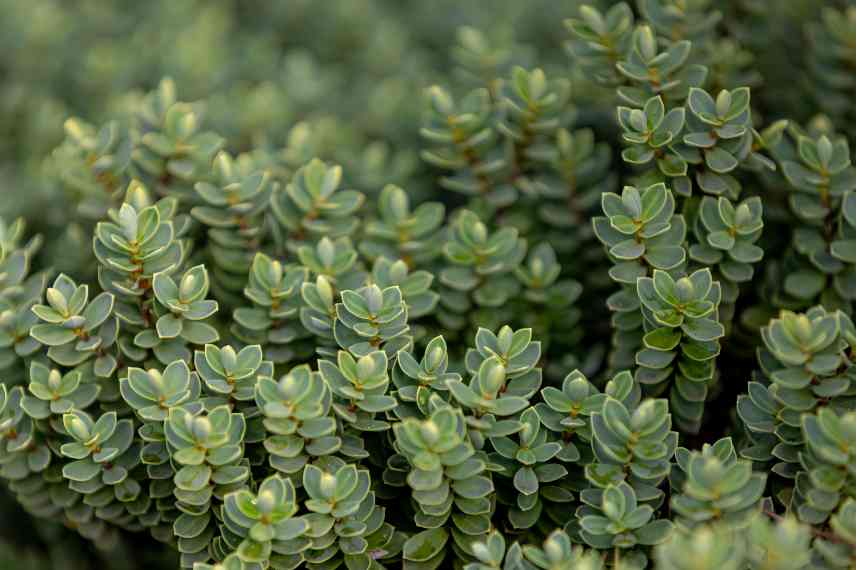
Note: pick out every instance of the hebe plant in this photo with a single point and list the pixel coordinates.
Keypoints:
(607, 322)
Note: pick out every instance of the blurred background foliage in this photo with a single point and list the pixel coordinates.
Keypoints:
(340, 79)
(353, 70)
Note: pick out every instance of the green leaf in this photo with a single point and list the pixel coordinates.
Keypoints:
(721, 240)
(662, 339)
(672, 165)
(425, 545)
(193, 478)
(198, 333)
(98, 310)
(473, 487)
(720, 161)
(526, 481)
(52, 335)
(702, 104)
(628, 249)
(805, 284)
(169, 326)
(81, 470)
(165, 289)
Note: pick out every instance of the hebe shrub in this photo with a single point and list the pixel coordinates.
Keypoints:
(606, 322)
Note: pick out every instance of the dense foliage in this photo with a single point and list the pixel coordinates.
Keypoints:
(317, 302)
